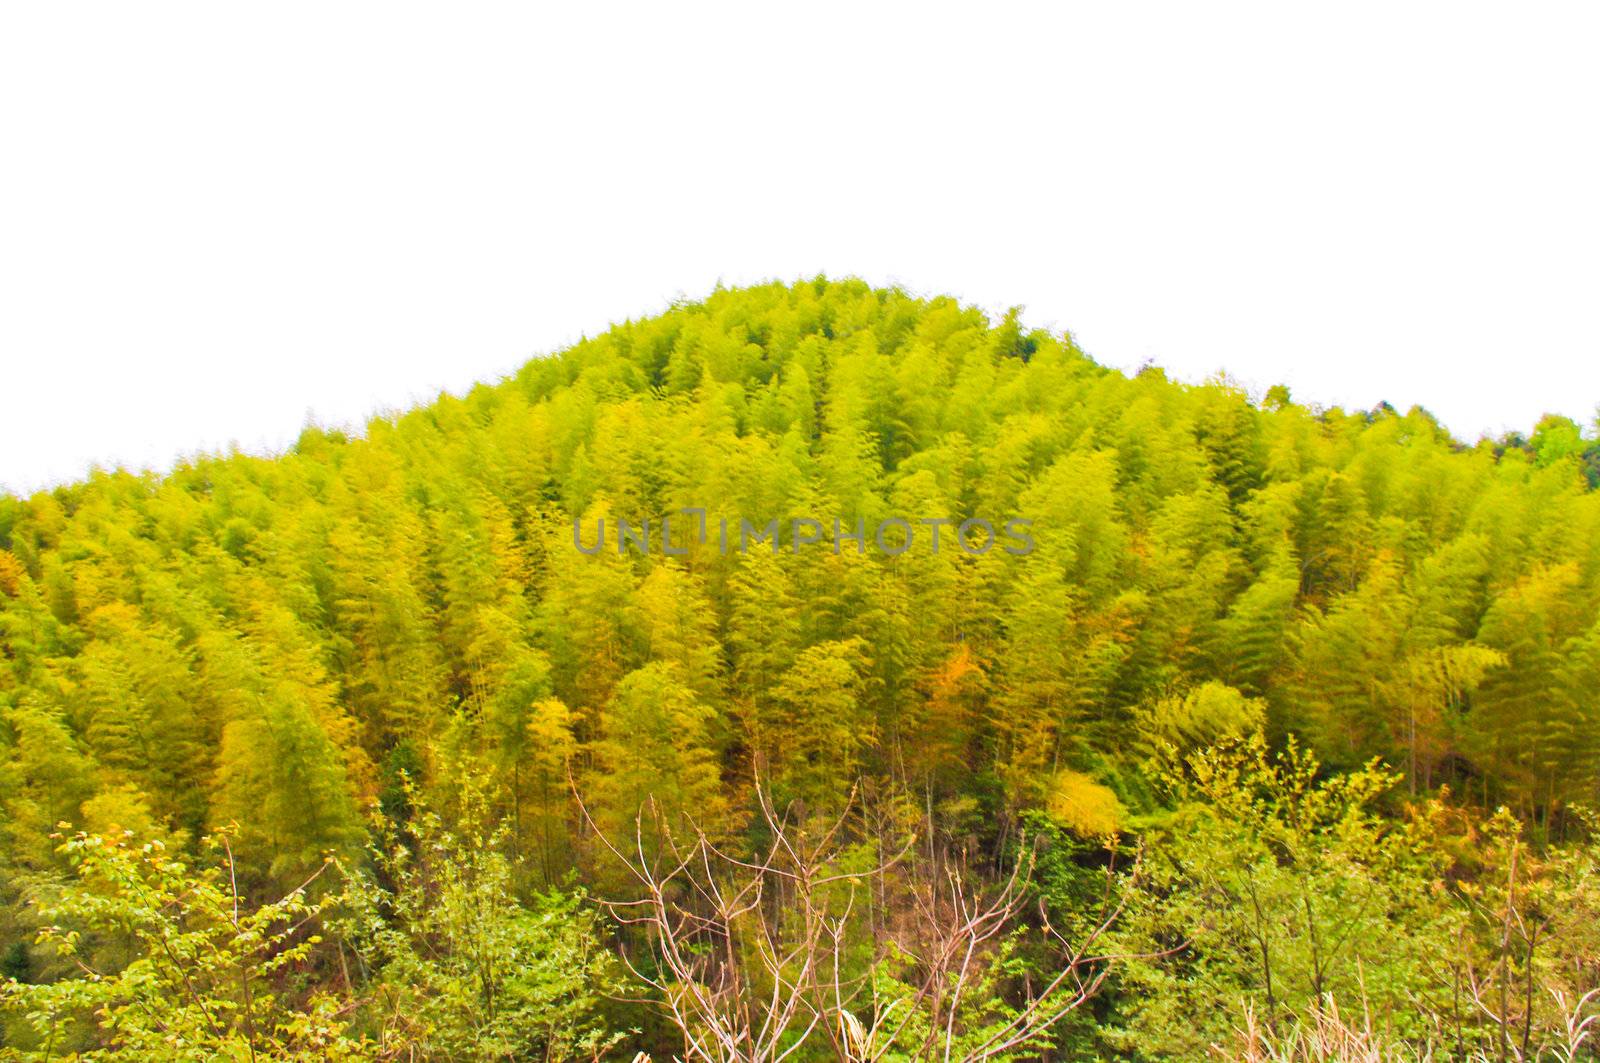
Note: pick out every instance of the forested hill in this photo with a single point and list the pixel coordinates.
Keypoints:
(292, 643)
(252, 638)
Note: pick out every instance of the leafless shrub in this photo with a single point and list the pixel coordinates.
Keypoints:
(754, 958)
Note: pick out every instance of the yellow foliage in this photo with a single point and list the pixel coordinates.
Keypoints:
(1207, 714)
(11, 573)
(1083, 806)
(124, 808)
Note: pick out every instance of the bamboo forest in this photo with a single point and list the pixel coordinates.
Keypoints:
(812, 672)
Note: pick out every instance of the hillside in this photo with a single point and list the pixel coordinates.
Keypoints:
(340, 645)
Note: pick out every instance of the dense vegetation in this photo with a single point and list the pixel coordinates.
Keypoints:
(1277, 745)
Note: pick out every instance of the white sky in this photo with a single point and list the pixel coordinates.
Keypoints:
(216, 218)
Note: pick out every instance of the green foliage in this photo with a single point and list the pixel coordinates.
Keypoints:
(15, 963)
(171, 963)
(817, 734)
(1278, 896)
(654, 747)
(1282, 890)
(459, 966)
